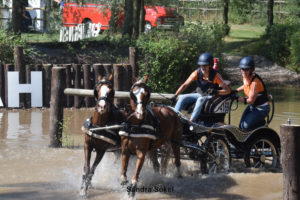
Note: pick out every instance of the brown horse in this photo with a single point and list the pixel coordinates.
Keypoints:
(96, 137)
(147, 129)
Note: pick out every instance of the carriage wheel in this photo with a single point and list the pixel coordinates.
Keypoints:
(262, 153)
(218, 158)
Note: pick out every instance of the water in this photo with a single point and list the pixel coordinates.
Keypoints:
(30, 170)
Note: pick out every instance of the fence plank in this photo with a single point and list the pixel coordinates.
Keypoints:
(47, 76)
(77, 83)
(69, 99)
(8, 67)
(2, 83)
(87, 82)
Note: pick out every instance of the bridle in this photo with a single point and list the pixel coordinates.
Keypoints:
(140, 85)
(105, 98)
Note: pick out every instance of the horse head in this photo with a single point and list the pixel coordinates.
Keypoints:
(139, 97)
(104, 94)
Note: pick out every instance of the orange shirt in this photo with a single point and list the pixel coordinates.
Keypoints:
(217, 79)
(255, 86)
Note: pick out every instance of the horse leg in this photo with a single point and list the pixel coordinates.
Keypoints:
(141, 154)
(153, 157)
(87, 157)
(176, 152)
(125, 159)
(165, 158)
(98, 158)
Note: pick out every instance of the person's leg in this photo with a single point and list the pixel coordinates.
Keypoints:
(186, 99)
(245, 113)
(198, 107)
(253, 117)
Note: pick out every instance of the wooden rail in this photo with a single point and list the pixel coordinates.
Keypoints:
(118, 94)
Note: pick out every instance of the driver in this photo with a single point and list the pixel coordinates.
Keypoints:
(208, 81)
(256, 96)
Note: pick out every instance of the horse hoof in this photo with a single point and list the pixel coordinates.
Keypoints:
(131, 192)
(83, 193)
(124, 182)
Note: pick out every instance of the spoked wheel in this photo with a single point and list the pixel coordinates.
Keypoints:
(218, 158)
(262, 153)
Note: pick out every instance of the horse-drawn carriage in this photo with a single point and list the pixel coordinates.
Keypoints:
(260, 148)
(146, 127)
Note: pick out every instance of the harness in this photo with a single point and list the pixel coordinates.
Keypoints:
(108, 133)
(203, 86)
(262, 97)
(151, 129)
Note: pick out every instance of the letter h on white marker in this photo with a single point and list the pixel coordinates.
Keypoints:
(35, 88)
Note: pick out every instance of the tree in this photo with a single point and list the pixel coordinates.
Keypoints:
(17, 9)
(270, 12)
(134, 18)
(225, 11)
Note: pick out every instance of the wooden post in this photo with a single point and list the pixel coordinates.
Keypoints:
(56, 106)
(20, 67)
(38, 67)
(77, 84)
(290, 160)
(133, 56)
(2, 83)
(127, 80)
(28, 70)
(47, 68)
(8, 67)
(108, 69)
(98, 71)
(87, 83)
(118, 82)
(69, 99)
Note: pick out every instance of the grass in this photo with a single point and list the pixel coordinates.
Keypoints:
(243, 39)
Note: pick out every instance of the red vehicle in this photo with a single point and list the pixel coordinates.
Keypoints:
(156, 16)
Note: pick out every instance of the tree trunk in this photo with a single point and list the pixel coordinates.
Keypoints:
(136, 17)
(127, 26)
(17, 7)
(225, 12)
(113, 23)
(142, 17)
(270, 12)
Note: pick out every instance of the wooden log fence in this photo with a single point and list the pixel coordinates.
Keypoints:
(83, 76)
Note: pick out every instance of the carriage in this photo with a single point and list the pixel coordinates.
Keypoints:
(259, 148)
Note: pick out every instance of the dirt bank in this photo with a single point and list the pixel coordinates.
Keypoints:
(271, 73)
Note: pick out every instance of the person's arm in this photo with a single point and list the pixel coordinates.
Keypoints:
(240, 89)
(185, 85)
(252, 96)
(225, 89)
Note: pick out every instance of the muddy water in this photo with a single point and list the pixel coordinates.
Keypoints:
(30, 170)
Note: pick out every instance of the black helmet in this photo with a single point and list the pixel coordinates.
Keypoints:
(205, 59)
(247, 63)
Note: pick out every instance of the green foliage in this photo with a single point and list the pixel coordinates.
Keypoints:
(240, 10)
(169, 57)
(279, 39)
(7, 43)
(54, 21)
(295, 51)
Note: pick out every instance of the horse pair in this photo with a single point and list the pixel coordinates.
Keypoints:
(142, 129)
